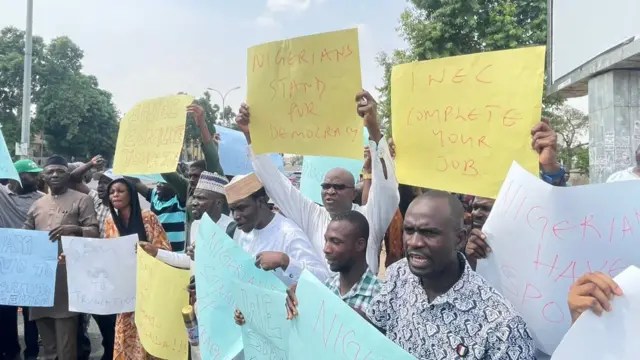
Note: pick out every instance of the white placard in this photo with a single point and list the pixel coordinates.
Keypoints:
(545, 237)
(101, 274)
(612, 336)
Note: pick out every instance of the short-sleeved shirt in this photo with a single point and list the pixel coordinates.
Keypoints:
(102, 210)
(362, 292)
(471, 318)
(47, 213)
(14, 207)
(171, 214)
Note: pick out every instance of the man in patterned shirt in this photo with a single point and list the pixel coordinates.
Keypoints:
(346, 252)
(433, 305)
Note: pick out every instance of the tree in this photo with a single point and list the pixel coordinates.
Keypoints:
(572, 127)
(77, 117)
(212, 117)
(438, 28)
(11, 75)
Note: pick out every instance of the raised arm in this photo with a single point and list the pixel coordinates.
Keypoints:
(544, 141)
(291, 202)
(141, 188)
(209, 144)
(76, 177)
(383, 196)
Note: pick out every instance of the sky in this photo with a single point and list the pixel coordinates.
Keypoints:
(149, 48)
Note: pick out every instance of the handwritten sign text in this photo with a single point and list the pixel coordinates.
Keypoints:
(28, 263)
(151, 136)
(544, 238)
(301, 92)
(459, 122)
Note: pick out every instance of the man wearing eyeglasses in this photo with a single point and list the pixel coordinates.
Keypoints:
(338, 188)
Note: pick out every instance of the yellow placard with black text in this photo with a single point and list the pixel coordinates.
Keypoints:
(460, 122)
(301, 94)
(160, 297)
(151, 136)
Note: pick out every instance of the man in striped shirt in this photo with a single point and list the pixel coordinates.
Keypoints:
(169, 209)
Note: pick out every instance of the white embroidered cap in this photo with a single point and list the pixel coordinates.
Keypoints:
(212, 182)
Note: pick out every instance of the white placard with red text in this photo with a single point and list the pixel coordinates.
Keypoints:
(544, 238)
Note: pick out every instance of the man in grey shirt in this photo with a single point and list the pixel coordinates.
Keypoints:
(15, 201)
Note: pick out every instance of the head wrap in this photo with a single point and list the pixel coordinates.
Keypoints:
(56, 160)
(241, 187)
(136, 224)
(212, 182)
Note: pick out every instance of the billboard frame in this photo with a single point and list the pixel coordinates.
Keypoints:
(623, 56)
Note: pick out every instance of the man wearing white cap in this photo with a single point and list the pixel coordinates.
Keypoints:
(208, 197)
(276, 242)
(337, 189)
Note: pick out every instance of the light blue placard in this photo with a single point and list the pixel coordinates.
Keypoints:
(330, 329)
(218, 262)
(28, 264)
(265, 334)
(314, 168)
(234, 158)
(7, 170)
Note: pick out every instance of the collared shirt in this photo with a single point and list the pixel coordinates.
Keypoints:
(283, 235)
(102, 211)
(313, 219)
(171, 214)
(362, 292)
(472, 318)
(14, 207)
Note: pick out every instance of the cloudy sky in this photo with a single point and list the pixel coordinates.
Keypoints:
(147, 48)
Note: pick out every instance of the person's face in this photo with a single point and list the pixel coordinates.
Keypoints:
(429, 237)
(245, 213)
(165, 192)
(338, 191)
(102, 188)
(119, 196)
(194, 176)
(341, 246)
(29, 181)
(480, 209)
(203, 201)
(56, 176)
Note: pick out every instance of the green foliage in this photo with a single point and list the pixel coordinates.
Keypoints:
(572, 127)
(442, 28)
(77, 117)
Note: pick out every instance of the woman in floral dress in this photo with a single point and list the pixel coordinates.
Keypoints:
(127, 218)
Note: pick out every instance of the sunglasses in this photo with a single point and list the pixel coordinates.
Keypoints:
(336, 187)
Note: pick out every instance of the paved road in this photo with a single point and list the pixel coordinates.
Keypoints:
(94, 332)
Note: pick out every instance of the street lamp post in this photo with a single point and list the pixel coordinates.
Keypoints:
(224, 97)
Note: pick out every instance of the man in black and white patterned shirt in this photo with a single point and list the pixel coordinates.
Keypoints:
(433, 305)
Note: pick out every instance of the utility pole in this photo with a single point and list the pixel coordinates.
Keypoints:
(23, 149)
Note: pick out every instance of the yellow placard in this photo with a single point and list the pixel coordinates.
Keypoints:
(160, 296)
(301, 94)
(459, 122)
(151, 136)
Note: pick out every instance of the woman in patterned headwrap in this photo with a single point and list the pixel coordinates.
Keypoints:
(128, 218)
